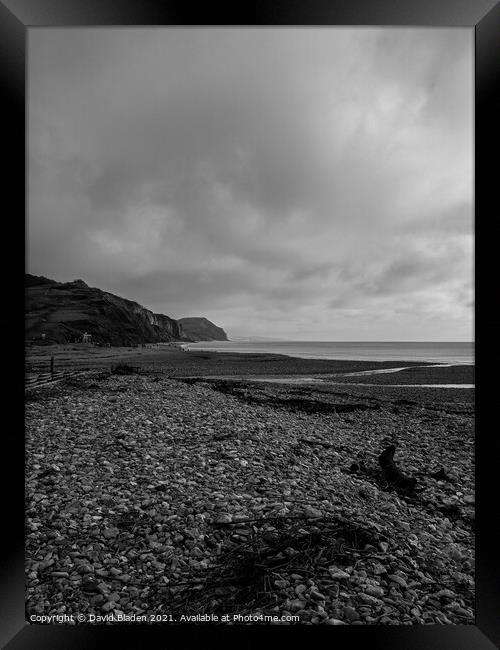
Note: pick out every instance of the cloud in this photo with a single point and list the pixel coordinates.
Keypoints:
(262, 177)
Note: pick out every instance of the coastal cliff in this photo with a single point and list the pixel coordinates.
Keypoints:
(201, 329)
(62, 312)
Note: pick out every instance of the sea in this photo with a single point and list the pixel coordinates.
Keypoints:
(436, 352)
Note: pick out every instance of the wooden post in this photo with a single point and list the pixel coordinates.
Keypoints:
(51, 365)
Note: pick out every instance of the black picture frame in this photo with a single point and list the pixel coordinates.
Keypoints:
(482, 16)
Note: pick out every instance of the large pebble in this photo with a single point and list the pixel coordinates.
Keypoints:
(350, 614)
(334, 621)
(398, 580)
(373, 590)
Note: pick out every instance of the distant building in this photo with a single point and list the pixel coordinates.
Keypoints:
(87, 338)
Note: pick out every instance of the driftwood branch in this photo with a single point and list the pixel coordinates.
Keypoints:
(392, 474)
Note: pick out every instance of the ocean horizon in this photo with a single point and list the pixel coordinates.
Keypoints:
(435, 352)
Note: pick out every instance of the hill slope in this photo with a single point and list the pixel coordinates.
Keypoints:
(201, 329)
(64, 311)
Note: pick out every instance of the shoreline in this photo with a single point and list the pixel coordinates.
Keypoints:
(353, 351)
(174, 363)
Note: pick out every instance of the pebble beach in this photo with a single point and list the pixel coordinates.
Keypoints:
(162, 495)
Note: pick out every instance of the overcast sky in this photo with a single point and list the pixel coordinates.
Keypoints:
(312, 184)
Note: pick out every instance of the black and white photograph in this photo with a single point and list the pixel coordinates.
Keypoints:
(249, 326)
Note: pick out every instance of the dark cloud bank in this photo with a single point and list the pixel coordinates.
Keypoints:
(303, 183)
